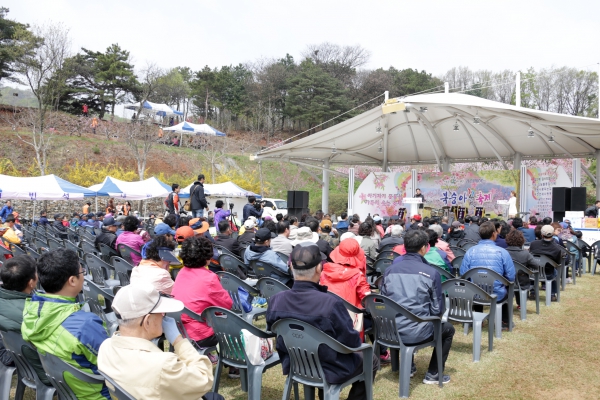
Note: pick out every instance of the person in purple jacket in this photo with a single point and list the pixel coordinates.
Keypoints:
(220, 213)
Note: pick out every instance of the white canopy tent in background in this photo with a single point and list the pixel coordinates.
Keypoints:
(229, 192)
(162, 110)
(194, 129)
(140, 190)
(441, 129)
(47, 187)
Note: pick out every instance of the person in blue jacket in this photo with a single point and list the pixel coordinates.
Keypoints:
(487, 255)
(6, 211)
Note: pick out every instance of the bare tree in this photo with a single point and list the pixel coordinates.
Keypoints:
(212, 152)
(341, 62)
(149, 81)
(140, 137)
(41, 69)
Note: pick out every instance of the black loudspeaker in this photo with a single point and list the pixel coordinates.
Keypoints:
(290, 199)
(561, 199)
(578, 199)
(558, 216)
(300, 199)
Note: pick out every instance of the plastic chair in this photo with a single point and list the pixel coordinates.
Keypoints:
(14, 343)
(520, 268)
(231, 264)
(576, 259)
(227, 326)
(587, 253)
(4, 251)
(456, 263)
(167, 255)
(88, 248)
(485, 278)
(595, 255)
(126, 252)
(384, 311)
(461, 294)
(381, 265)
(92, 292)
(223, 250)
(542, 261)
(108, 271)
(283, 257)
(443, 273)
(388, 247)
(55, 244)
(262, 269)
(41, 243)
(454, 241)
(122, 268)
(231, 283)
(55, 371)
(116, 391)
(302, 341)
(32, 253)
(107, 252)
(387, 254)
(268, 287)
(6, 374)
(177, 317)
(18, 251)
(457, 251)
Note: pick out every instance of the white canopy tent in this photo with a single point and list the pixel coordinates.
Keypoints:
(47, 187)
(194, 129)
(161, 110)
(441, 129)
(140, 190)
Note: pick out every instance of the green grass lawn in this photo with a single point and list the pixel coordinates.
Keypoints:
(554, 354)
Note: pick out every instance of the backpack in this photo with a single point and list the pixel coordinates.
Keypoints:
(169, 202)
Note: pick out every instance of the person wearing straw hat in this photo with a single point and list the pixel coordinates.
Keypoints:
(138, 365)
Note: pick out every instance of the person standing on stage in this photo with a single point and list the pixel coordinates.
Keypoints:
(420, 195)
(512, 205)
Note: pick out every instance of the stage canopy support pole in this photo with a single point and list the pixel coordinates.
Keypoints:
(385, 145)
(446, 87)
(517, 161)
(597, 174)
(445, 165)
(350, 192)
(523, 190)
(325, 191)
(576, 172)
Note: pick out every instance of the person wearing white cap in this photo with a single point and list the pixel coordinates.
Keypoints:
(137, 364)
(247, 231)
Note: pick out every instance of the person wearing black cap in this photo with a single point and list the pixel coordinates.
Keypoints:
(261, 251)
(108, 235)
(310, 302)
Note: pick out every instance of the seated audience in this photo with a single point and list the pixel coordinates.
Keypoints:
(108, 235)
(43, 221)
(326, 235)
(528, 233)
(548, 247)
(456, 231)
(131, 238)
(435, 256)
(19, 279)
(220, 213)
(54, 322)
(198, 288)
(441, 244)
(260, 251)
(487, 254)
(309, 302)
(323, 245)
(472, 230)
(515, 242)
(248, 234)
(366, 243)
(138, 365)
(342, 225)
(394, 239)
(502, 230)
(282, 244)
(11, 234)
(224, 238)
(378, 228)
(354, 224)
(152, 269)
(417, 286)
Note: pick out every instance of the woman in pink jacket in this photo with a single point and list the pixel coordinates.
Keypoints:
(199, 288)
(131, 238)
